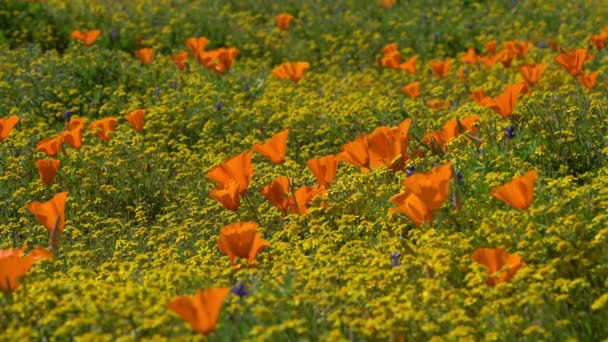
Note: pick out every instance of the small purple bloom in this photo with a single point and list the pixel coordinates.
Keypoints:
(459, 179)
(68, 115)
(510, 132)
(218, 106)
(114, 34)
(157, 93)
(173, 85)
(246, 87)
(240, 290)
(410, 170)
(395, 259)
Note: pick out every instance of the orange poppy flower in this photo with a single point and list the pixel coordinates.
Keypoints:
(491, 47)
(504, 104)
(388, 145)
(283, 20)
(450, 131)
(355, 153)
(75, 122)
(517, 49)
(573, 60)
(6, 126)
(179, 59)
(201, 311)
(409, 65)
(227, 195)
(391, 58)
(136, 119)
(518, 192)
(412, 89)
(588, 80)
(323, 168)
(73, 136)
(241, 240)
(531, 72)
(442, 68)
(47, 169)
(87, 37)
(50, 146)
(238, 169)
(103, 127)
(51, 214)
(13, 265)
(432, 187)
(599, 40)
(470, 57)
(196, 45)
(145, 55)
(412, 206)
(387, 3)
(478, 96)
(275, 148)
(491, 60)
(219, 60)
(497, 259)
(277, 192)
(438, 104)
(291, 70)
(298, 203)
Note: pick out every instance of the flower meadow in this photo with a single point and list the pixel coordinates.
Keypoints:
(304, 170)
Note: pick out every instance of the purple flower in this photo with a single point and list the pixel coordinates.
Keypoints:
(157, 93)
(68, 115)
(510, 132)
(459, 179)
(395, 259)
(410, 170)
(240, 290)
(218, 106)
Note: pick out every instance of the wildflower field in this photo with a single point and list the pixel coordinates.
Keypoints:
(304, 170)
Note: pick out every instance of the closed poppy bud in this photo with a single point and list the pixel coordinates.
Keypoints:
(136, 119)
(283, 21)
(6, 126)
(241, 240)
(47, 169)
